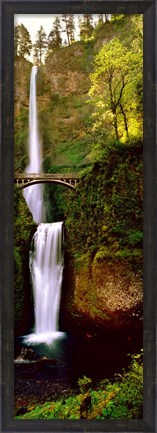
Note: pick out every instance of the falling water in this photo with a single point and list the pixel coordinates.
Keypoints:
(46, 260)
(34, 194)
(46, 263)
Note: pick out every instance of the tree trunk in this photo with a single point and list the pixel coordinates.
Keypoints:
(40, 56)
(116, 126)
(125, 120)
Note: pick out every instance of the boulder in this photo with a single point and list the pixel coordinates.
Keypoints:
(108, 294)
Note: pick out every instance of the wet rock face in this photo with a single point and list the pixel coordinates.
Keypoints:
(68, 82)
(108, 294)
(67, 74)
(22, 70)
(114, 286)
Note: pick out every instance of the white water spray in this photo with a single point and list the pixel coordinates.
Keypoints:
(34, 193)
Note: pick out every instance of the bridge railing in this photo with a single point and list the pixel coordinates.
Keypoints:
(23, 180)
(45, 176)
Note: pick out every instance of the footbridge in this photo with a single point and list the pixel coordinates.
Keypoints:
(23, 180)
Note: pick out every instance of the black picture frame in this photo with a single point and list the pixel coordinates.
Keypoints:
(149, 10)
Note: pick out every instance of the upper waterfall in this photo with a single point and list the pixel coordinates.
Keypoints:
(34, 194)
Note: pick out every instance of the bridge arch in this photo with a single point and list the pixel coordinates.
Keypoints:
(23, 180)
(34, 182)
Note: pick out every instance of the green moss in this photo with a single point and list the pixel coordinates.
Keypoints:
(108, 219)
(24, 228)
(102, 253)
(127, 253)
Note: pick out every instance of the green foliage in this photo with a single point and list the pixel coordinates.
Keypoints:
(129, 398)
(19, 292)
(116, 77)
(56, 198)
(107, 205)
(135, 237)
(84, 383)
(24, 228)
(21, 140)
(102, 253)
(121, 398)
(46, 130)
(43, 86)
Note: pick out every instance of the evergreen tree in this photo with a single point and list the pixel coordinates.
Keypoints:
(40, 45)
(54, 38)
(69, 23)
(22, 41)
(36, 54)
(65, 22)
(106, 18)
(101, 18)
(71, 28)
(86, 27)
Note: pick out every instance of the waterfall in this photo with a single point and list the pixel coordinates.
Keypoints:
(46, 264)
(46, 259)
(34, 193)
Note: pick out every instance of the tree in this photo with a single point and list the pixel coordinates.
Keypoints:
(22, 41)
(106, 18)
(36, 54)
(117, 72)
(40, 45)
(69, 23)
(54, 37)
(71, 28)
(86, 27)
(101, 18)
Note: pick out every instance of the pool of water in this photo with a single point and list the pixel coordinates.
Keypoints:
(96, 356)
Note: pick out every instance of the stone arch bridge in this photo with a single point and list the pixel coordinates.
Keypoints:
(23, 180)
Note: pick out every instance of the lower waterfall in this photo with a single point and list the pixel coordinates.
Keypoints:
(46, 267)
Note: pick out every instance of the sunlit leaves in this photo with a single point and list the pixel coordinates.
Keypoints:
(115, 81)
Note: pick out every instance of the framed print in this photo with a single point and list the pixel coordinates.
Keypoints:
(78, 216)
